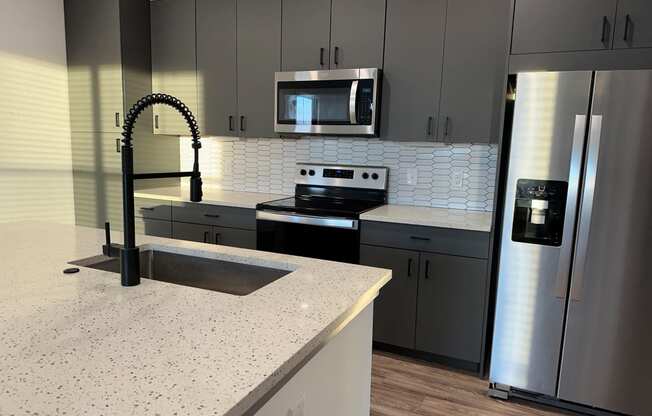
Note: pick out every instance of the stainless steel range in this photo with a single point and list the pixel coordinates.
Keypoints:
(322, 219)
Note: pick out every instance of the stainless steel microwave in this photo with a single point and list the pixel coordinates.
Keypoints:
(336, 102)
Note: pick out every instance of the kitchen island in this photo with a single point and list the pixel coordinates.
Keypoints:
(82, 344)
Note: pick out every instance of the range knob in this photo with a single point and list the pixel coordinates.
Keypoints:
(303, 172)
(311, 172)
(374, 176)
(365, 175)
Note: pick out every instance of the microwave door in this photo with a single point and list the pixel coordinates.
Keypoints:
(353, 99)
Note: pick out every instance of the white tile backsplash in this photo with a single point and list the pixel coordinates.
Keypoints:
(447, 176)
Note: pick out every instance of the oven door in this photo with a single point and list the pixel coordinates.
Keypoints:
(335, 239)
(338, 102)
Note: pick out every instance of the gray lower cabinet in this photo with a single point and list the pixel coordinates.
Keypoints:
(633, 24)
(174, 69)
(192, 232)
(306, 34)
(216, 67)
(357, 34)
(474, 71)
(436, 300)
(258, 58)
(156, 228)
(563, 25)
(395, 308)
(451, 306)
(414, 47)
(214, 235)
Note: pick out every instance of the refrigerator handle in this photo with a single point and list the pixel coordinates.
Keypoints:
(586, 207)
(563, 270)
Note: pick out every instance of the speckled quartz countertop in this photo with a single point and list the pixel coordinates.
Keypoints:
(211, 196)
(431, 217)
(82, 344)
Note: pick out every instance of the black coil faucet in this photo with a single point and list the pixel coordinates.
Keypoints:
(130, 254)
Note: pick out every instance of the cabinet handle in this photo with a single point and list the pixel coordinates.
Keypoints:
(336, 56)
(217, 238)
(146, 209)
(117, 145)
(605, 23)
(447, 123)
(429, 126)
(414, 237)
(205, 236)
(427, 271)
(321, 56)
(242, 123)
(230, 123)
(212, 215)
(627, 21)
(117, 119)
(156, 121)
(410, 267)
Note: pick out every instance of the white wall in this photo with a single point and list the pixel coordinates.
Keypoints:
(35, 155)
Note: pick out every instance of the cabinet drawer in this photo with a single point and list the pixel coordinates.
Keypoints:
(153, 208)
(214, 215)
(436, 240)
(156, 228)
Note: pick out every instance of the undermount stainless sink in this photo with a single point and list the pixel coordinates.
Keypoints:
(218, 275)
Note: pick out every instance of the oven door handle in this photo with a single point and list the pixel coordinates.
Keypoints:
(289, 217)
(353, 97)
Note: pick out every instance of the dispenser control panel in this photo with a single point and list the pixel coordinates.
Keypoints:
(539, 211)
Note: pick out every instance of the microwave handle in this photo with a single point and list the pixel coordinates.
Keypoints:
(352, 100)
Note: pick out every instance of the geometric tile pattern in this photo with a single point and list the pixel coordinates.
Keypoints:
(424, 174)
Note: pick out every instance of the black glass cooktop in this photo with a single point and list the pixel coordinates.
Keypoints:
(319, 205)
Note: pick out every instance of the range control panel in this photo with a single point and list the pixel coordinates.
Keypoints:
(364, 177)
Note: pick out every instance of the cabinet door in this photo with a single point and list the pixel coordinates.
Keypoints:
(216, 67)
(234, 237)
(563, 25)
(633, 24)
(357, 34)
(97, 177)
(156, 228)
(414, 47)
(450, 313)
(395, 306)
(474, 70)
(173, 61)
(259, 57)
(94, 65)
(192, 232)
(306, 34)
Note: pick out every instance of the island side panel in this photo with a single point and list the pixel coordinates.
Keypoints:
(336, 381)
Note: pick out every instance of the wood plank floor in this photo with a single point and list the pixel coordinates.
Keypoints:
(405, 387)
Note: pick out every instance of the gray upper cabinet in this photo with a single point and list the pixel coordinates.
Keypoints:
(633, 24)
(259, 57)
(450, 312)
(395, 308)
(306, 34)
(414, 46)
(563, 25)
(94, 65)
(173, 61)
(216, 67)
(357, 34)
(475, 60)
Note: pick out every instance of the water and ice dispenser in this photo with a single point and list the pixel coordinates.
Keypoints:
(539, 211)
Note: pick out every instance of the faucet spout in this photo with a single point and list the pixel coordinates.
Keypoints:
(130, 254)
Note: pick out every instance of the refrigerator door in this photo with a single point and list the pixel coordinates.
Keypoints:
(548, 134)
(606, 359)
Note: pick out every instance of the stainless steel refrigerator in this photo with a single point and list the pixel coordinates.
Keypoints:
(573, 316)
